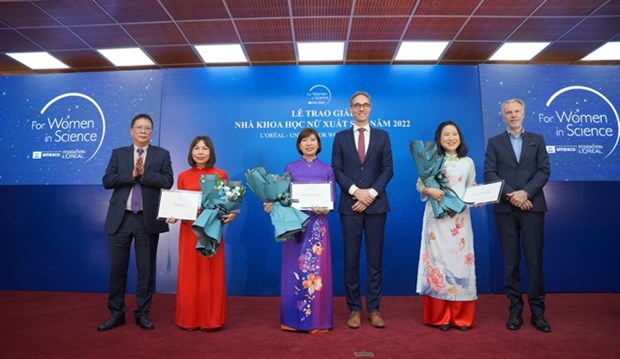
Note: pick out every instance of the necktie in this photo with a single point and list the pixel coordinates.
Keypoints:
(361, 144)
(136, 198)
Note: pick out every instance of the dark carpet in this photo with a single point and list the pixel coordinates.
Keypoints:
(63, 325)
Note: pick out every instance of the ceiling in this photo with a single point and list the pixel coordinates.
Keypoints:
(268, 30)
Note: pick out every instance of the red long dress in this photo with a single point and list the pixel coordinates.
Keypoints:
(201, 282)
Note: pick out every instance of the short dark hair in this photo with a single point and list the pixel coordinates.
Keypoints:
(461, 151)
(144, 116)
(209, 144)
(307, 132)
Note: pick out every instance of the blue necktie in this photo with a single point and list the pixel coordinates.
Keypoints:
(136, 198)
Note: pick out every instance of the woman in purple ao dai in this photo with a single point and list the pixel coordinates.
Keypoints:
(306, 274)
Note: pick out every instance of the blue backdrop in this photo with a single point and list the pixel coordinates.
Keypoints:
(52, 235)
(60, 129)
(572, 106)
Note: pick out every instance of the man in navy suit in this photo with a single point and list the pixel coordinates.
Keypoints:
(136, 173)
(520, 159)
(362, 163)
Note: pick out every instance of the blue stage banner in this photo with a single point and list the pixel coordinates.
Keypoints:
(60, 129)
(253, 116)
(574, 107)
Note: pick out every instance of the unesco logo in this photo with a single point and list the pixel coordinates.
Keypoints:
(71, 131)
(588, 124)
(319, 95)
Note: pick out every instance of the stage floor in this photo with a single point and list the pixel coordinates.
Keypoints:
(63, 325)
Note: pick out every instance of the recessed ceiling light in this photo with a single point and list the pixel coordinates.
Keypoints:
(126, 57)
(216, 54)
(38, 60)
(609, 51)
(518, 51)
(420, 50)
(320, 51)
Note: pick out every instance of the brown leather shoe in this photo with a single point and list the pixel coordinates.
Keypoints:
(375, 320)
(355, 320)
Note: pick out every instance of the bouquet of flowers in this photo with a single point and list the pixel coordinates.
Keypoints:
(429, 164)
(287, 221)
(219, 197)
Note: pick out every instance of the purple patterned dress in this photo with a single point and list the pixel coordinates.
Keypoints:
(306, 283)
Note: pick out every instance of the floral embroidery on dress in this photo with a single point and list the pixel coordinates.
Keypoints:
(426, 259)
(446, 267)
(450, 179)
(435, 278)
(314, 282)
(458, 224)
(452, 290)
(309, 274)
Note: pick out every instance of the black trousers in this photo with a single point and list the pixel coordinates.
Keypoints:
(523, 230)
(132, 229)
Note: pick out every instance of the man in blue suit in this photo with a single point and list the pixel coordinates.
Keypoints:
(520, 159)
(362, 163)
(136, 173)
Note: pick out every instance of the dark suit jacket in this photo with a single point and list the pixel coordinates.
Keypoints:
(530, 173)
(118, 176)
(375, 172)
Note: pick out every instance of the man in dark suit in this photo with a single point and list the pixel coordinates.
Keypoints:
(136, 173)
(520, 159)
(362, 163)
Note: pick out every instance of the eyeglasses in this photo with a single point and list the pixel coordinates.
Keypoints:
(361, 106)
(143, 128)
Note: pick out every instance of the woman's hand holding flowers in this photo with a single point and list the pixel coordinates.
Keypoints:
(267, 206)
(436, 193)
(229, 217)
(320, 211)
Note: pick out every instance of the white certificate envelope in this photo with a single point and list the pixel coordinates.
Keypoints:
(179, 204)
(308, 195)
(486, 193)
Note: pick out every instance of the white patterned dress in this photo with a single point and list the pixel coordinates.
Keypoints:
(446, 269)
